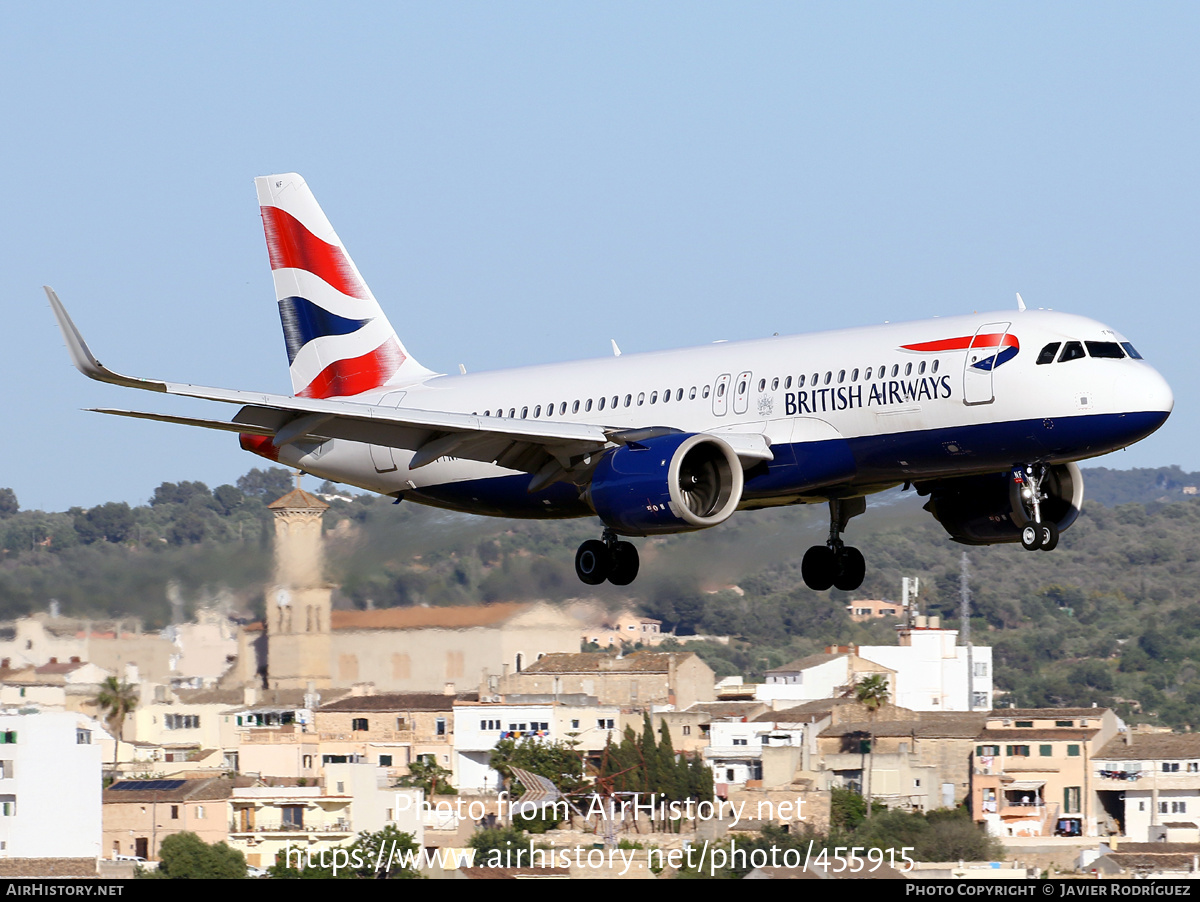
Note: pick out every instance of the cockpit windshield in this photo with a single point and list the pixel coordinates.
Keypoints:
(1074, 350)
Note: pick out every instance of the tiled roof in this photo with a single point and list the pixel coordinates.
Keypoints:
(1152, 745)
(211, 789)
(298, 499)
(1046, 713)
(596, 662)
(808, 711)
(400, 701)
(805, 663)
(59, 667)
(717, 710)
(411, 618)
(1062, 734)
(930, 725)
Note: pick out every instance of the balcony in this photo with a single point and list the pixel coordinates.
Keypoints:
(277, 737)
(339, 828)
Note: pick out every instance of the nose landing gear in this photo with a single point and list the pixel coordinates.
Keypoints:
(835, 563)
(607, 558)
(1037, 533)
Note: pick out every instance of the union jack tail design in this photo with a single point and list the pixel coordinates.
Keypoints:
(339, 342)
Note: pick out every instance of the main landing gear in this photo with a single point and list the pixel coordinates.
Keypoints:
(834, 563)
(607, 558)
(1037, 533)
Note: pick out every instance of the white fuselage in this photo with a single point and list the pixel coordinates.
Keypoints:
(904, 414)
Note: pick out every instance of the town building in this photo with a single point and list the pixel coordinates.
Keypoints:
(636, 680)
(1149, 786)
(391, 730)
(304, 642)
(50, 780)
(934, 672)
(1032, 770)
(478, 726)
(140, 814)
(867, 609)
(828, 675)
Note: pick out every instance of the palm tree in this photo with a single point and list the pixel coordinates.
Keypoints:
(116, 699)
(872, 693)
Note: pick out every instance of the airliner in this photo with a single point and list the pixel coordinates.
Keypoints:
(986, 415)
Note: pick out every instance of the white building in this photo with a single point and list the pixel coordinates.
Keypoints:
(1148, 785)
(478, 726)
(735, 750)
(934, 672)
(50, 785)
(828, 675)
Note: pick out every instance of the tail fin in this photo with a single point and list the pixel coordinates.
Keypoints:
(339, 342)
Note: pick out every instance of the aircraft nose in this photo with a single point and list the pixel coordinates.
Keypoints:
(1156, 393)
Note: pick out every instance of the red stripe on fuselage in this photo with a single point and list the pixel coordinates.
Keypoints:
(292, 246)
(989, 340)
(355, 375)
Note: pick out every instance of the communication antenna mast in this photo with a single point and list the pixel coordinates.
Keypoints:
(909, 587)
(964, 636)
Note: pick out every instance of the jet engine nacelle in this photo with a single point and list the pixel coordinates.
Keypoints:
(987, 510)
(671, 483)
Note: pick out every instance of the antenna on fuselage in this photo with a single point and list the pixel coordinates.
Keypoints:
(616, 350)
(1020, 302)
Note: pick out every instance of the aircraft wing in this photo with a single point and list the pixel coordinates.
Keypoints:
(549, 450)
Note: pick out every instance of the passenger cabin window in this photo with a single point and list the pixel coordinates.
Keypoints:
(600, 405)
(933, 369)
(1104, 349)
(1072, 350)
(908, 369)
(1048, 352)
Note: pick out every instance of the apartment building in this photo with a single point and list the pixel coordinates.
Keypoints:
(391, 730)
(50, 779)
(1148, 785)
(1032, 770)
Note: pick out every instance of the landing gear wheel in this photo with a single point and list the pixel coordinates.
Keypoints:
(819, 568)
(623, 564)
(1049, 536)
(851, 570)
(1031, 536)
(592, 562)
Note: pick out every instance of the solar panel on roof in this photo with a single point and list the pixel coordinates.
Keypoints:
(141, 785)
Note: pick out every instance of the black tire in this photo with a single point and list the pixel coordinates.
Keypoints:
(592, 562)
(623, 564)
(1049, 536)
(818, 568)
(1031, 537)
(851, 570)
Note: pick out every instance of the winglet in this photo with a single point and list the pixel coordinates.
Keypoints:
(82, 356)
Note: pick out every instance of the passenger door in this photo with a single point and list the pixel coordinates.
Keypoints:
(980, 359)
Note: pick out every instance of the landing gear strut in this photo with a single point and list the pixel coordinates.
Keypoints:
(1037, 533)
(607, 558)
(835, 563)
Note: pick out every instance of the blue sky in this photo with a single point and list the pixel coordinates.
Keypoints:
(521, 182)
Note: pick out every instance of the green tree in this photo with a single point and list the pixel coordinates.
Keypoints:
(872, 693)
(428, 775)
(112, 522)
(115, 700)
(266, 485)
(8, 503)
(381, 855)
(187, 856)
